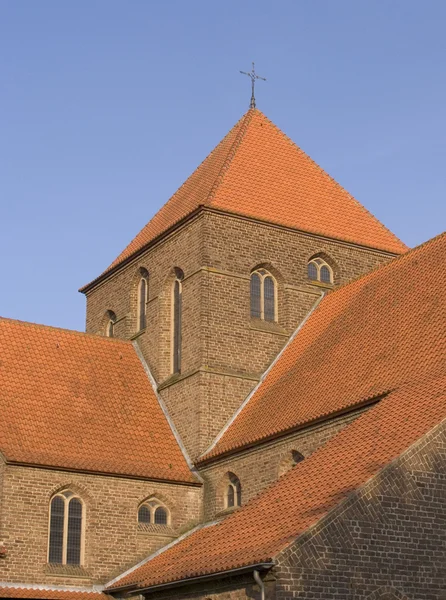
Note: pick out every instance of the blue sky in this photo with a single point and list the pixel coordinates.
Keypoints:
(106, 106)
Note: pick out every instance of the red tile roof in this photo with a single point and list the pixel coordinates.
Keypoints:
(257, 171)
(269, 523)
(79, 401)
(14, 592)
(372, 335)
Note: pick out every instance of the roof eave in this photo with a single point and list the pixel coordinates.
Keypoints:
(262, 566)
(111, 270)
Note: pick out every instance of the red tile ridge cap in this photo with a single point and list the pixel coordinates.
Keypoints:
(65, 591)
(404, 248)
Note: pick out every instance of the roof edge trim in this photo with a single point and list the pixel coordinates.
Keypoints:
(163, 407)
(262, 378)
(261, 566)
(30, 465)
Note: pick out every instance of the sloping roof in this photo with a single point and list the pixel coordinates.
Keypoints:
(266, 525)
(50, 594)
(370, 336)
(79, 401)
(257, 171)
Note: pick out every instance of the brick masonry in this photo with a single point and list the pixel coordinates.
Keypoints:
(217, 252)
(386, 540)
(263, 465)
(113, 539)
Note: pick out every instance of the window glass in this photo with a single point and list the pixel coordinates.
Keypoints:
(231, 498)
(312, 271)
(269, 299)
(74, 532)
(142, 303)
(161, 516)
(56, 530)
(255, 296)
(177, 327)
(325, 274)
(144, 514)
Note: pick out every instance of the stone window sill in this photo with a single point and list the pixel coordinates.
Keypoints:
(320, 284)
(153, 528)
(267, 327)
(138, 334)
(67, 571)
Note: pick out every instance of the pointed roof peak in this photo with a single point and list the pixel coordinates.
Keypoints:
(257, 171)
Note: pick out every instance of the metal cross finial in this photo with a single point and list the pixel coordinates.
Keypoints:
(253, 77)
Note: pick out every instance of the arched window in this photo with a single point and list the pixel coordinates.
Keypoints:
(233, 492)
(263, 295)
(176, 320)
(319, 270)
(110, 324)
(296, 457)
(66, 529)
(152, 511)
(143, 293)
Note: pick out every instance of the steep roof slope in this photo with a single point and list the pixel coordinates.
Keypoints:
(79, 401)
(372, 335)
(257, 171)
(265, 526)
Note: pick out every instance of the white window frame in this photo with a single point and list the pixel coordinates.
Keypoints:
(138, 310)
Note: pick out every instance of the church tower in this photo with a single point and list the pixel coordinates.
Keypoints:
(213, 286)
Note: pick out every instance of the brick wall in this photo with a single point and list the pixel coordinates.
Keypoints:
(261, 466)
(113, 539)
(217, 253)
(387, 540)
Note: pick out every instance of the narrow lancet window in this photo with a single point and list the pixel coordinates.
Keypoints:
(142, 303)
(177, 314)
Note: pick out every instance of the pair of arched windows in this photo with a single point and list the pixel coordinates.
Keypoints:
(319, 270)
(263, 295)
(66, 529)
(152, 511)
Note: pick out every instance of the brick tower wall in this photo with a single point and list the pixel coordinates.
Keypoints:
(224, 350)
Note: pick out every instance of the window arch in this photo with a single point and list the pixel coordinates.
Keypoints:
(319, 270)
(152, 511)
(143, 296)
(177, 302)
(233, 492)
(66, 529)
(110, 323)
(263, 295)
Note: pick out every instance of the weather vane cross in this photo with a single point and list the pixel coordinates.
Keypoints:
(253, 75)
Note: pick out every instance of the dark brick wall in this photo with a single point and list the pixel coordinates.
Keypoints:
(386, 540)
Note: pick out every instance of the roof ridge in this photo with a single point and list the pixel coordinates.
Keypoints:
(65, 330)
(325, 174)
(244, 124)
